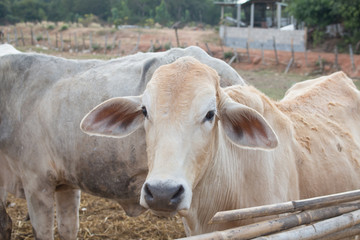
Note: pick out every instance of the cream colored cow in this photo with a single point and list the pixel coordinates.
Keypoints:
(212, 149)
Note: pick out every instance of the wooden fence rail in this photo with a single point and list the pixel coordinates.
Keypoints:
(330, 217)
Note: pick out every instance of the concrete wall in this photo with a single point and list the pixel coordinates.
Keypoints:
(237, 38)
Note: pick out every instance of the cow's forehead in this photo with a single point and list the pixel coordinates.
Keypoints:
(182, 80)
(179, 87)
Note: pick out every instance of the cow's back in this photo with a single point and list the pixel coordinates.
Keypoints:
(325, 113)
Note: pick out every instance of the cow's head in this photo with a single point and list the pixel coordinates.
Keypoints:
(185, 113)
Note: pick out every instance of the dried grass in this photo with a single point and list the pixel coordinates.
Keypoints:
(102, 219)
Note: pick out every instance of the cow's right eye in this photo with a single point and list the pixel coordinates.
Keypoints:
(144, 111)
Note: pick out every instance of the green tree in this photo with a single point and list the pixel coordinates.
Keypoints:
(4, 11)
(162, 15)
(320, 13)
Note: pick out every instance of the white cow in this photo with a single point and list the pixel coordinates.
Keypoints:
(212, 149)
(46, 158)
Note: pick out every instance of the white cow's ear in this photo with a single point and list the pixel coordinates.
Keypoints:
(245, 127)
(116, 117)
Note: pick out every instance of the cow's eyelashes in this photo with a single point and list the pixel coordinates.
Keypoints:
(209, 115)
(144, 111)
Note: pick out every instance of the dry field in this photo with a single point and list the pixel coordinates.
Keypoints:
(102, 218)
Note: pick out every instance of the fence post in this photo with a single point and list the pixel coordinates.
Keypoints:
(48, 39)
(56, 42)
(76, 42)
(336, 63)
(119, 48)
(275, 51)
(105, 46)
(262, 54)
(208, 50)
(352, 57)
(61, 42)
(22, 37)
(32, 36)
(15, 36)
(83, 41)
(114, 42)
(91, 43)
(247, 50)
(70, 41)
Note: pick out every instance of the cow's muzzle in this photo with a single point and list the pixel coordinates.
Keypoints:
(163, 197)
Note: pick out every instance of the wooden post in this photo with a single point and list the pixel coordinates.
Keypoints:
(114, 42)
(83, 41)
(70, 46)
(119, 48)
(262, 54)
(177, 37)
(292, 50)
(76, 42)
(61, 42)
(90, 39)
(56, 41)
(352, 57)
(208, 50)
(105, 45)
(289, 65)
(48, 39)
(247, 50)
(137, 45)
(321, 65)
(336, 63)
(16, 37)
(22, 37)
(151, 48)
(275, 51)
(32, 37)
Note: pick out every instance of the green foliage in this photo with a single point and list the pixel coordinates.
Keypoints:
(88, 19)
(149, 22)
(162, 15)
(64, 27)
(317, 14)
(50, 27)
(228, 55)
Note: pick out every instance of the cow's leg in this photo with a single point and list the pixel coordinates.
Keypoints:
(67, 212)
(5, 220)
(41, 210)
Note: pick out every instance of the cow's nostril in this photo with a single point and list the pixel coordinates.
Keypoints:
(147, 191)
(178, 194)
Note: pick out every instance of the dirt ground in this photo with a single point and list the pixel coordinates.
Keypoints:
(104, 219)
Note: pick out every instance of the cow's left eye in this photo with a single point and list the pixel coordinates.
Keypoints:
(209, 116)
(144, 111)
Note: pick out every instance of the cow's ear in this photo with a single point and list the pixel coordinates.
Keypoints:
(116, 117)
(245, 127)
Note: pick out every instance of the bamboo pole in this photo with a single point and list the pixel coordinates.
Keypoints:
(291, 206)
(319, 229)
(346, 233)
(280, 224)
